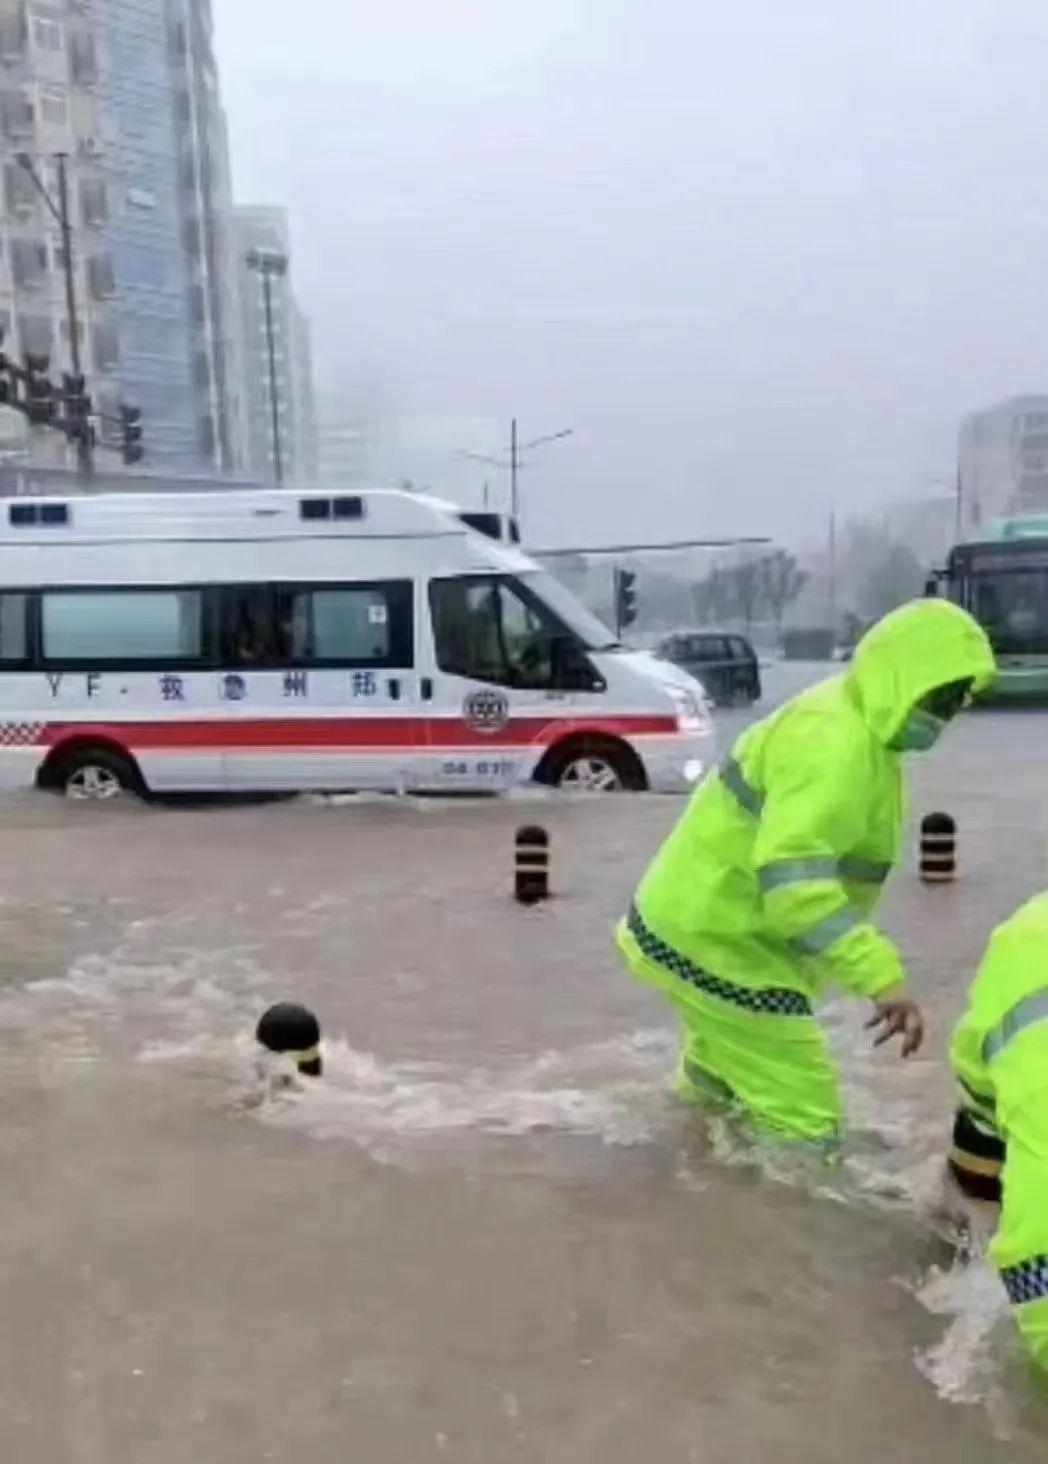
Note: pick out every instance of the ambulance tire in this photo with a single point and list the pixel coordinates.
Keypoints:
(592, 765)
(93, 774)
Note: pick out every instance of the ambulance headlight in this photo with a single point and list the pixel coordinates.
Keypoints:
(692, 715)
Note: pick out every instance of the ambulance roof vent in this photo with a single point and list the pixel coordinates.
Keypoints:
(27, 515)
(314, 510)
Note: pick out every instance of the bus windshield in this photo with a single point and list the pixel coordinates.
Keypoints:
(1011, 605)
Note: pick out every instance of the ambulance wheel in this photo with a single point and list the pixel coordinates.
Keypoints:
(593, 765)
(94, 775)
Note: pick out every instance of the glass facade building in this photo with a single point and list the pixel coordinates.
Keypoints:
(129, 91)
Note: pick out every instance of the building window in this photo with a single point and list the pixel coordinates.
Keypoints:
(47, 34)
(35, 334)
(54, 108)
(106, 344)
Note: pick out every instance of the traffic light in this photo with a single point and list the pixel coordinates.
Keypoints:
(39, 393)
(132, 450)
(625, 598)
(77, 405)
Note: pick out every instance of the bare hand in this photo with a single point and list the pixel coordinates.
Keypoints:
(895, 1015)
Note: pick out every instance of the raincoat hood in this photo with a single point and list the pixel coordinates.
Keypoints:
(920, 646)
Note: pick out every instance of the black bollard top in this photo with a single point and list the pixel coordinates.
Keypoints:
(288, 1027)
(938, 823)
(532, 834)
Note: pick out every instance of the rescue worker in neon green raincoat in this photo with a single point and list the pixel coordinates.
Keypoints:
(763, 893)
(999, 1055)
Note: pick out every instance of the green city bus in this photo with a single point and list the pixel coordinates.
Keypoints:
(1003, 581)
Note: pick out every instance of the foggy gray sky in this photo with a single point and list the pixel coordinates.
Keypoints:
(760, 255)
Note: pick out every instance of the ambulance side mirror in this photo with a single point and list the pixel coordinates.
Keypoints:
(572, 669)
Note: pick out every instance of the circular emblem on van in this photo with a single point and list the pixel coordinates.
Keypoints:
(486, 711)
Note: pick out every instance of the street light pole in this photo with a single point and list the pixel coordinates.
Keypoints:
(60, 213)
(269, 265)
(516, 453)
(67, 255)
(274, 406)
(514, 470)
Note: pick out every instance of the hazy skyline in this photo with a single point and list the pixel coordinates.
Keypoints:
(761, 258)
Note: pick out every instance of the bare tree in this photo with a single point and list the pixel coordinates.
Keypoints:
(781, 582)
(748, 581)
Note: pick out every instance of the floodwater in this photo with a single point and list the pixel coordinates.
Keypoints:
(489, 1234)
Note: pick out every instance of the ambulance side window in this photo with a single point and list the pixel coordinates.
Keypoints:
(367, 624)
(491, 629)
(14, 638)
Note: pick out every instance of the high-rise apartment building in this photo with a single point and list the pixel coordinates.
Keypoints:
(1003, 461)
(262, 250)
(128, 90)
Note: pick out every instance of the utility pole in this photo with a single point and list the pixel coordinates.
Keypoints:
(278, 460)
(67, 264)
(60, 213)
(517, 449)
(832, 587)
(514, 469)
(270, 265)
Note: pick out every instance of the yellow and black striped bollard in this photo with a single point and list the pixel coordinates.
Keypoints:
(294, 1031)
(938, 864)
(531, 865)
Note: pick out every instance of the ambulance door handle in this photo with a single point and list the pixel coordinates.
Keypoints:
(393, 687)
(426, 688)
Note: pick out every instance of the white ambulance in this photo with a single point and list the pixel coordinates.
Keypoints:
(283, 640)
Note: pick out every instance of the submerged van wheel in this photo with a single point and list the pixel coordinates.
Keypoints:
(95, 775)
(593, 765)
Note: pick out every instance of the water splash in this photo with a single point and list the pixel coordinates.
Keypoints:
(963, 1365)
(614, 1091)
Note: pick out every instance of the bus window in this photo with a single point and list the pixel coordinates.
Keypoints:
(118, 626)
(491, 629)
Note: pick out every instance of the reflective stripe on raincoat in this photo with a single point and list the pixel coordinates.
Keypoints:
(771, 875)
(999, 1054)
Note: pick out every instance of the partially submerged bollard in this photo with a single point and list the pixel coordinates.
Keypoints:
(938, 864)
(531, 865)
(293, 1030)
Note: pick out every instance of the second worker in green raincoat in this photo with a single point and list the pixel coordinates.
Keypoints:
(764, 892)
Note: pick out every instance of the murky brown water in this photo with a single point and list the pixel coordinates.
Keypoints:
(489, 1234)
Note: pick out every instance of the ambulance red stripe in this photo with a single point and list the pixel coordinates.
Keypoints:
(247, 733)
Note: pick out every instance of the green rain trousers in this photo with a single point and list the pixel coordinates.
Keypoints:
(763, 892)
(999, 1054)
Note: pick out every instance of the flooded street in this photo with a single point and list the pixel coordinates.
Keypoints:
(489, 1234)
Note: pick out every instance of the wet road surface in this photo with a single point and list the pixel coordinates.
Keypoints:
(489, 1234)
